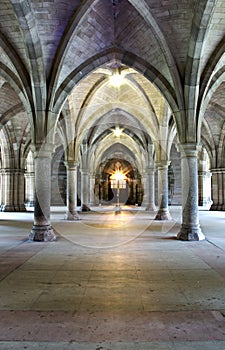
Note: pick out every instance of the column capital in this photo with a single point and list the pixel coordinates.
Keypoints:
(28, 173)
(149, 169)
(12, 171)
(189, 149)
(71, 164)
(162, 164)
(217, 170)
(204, 173)
(42, 150)
(85, 171)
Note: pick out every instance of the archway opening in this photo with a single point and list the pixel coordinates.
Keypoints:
(107, 189)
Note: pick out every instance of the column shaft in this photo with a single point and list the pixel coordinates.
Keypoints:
(150, 190)
(218, 185)
(163, 211)
(29, 189)
(204, 188)
(92, 190)
(71, 191)
(220, 189)
(12, 189)
(135, 191)
(42, 229)
(190, 228)
(85, 190)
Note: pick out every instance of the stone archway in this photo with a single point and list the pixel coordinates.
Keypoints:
(128, 196)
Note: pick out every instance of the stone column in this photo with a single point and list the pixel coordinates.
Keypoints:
(218, 185)
(190, 229)
(12, 189)
(97, 189)
(19, 190)
(204, 179)
(42, 229)
(204, 188)
(146, 189)
(71, 191)
(7, 190)
(92, 190)
(85, 190)
(29, 189)
(150, 189)
(163, 211)
(135, 189)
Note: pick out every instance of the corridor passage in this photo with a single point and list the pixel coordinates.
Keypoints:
(112, 281)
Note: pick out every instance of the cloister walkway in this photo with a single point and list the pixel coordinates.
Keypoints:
(112, 281)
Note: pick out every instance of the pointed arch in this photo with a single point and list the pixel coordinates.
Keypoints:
(127, 58)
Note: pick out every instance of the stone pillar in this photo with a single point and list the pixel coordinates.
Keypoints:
(19, 188)
(149, 189)
(218, 185)
(204, 188)
(204, 179)
(29, 189)
(7, 190)
(190, 229)
(163, 211)
(42, 229)
(71, 191)
(146, 189)
(85, 190)
(92, 190)
(135, 191)
(12, 189)
(98, 189)
(140, 191)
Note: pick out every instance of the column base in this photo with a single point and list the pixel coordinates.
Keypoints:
(150, 207)
(216, 207)
(85, 208)
(117, 210)
(74, 216)
(163, 215)
(204, 203)
(20, 208)
(190, 233)
(13, 208)
(42, 233)
(29, 204)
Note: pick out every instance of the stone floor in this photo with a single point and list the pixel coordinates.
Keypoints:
(112, 281)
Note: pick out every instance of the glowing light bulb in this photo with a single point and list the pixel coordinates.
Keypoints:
(116, 78)
(117, 131)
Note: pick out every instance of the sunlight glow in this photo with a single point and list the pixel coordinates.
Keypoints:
(118, 175)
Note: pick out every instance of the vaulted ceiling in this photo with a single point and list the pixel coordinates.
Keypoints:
(57, 59)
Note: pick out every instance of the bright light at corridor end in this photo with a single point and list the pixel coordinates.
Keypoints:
(118, 175)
